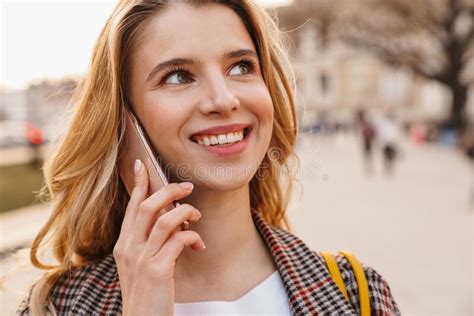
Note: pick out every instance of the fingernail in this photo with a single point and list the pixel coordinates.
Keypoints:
(138, 166)
(187, 185)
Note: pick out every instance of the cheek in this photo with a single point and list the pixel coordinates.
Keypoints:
(261, 105)
(260, 102)
(263, 109)
(162, 125)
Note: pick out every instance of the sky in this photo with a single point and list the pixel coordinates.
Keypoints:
(52, 39)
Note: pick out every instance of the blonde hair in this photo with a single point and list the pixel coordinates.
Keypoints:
(81, 179)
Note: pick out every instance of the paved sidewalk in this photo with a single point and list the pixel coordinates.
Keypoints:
(19, 154)
(415, 227)
(17, 227)
(17, 230)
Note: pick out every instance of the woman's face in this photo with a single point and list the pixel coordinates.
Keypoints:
(195, 69)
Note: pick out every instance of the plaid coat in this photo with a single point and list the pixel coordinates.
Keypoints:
(95, 289)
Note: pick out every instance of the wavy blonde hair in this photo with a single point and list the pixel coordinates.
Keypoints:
(81, 178)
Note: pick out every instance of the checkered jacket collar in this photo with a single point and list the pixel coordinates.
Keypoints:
(95, 289)
(308, 284)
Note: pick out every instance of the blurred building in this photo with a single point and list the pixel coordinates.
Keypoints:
(41, 104)
(335, 78)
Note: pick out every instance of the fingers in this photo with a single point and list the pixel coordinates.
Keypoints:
(146, 236)
(168, 223)
(148, 209)
(176, 243)
(139, 193)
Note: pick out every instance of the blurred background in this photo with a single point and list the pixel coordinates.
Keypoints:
(386, 113)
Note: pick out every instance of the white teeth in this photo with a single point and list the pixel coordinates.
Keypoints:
(220, 139)
(214, 140)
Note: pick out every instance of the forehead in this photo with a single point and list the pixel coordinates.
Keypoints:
(183, 30)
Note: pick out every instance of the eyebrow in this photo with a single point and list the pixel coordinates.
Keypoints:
(186, 61)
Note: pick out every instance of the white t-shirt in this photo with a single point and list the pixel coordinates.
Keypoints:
(267, 298)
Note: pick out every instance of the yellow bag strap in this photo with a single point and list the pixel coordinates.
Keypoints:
(335, 273)
(362, 284)
(358, 270)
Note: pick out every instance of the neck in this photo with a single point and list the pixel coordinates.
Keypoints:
(227, 229)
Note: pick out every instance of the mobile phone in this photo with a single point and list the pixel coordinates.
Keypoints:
(137, 146)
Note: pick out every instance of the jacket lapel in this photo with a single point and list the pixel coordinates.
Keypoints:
(310, 288)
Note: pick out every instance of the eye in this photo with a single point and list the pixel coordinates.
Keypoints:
(177, 77)
(242, 68)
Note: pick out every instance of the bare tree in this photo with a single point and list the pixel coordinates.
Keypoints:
(434, 38)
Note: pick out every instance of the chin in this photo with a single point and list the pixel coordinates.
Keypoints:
(225, 179)
(225, 186)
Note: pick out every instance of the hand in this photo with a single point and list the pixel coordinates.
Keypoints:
(149, 244)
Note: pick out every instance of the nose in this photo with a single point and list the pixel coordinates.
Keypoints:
(218, 98)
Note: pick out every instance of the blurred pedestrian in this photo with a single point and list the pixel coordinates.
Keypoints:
(467, 143)
(419, 133)
(368, 134)
(388, 133)
(35, 140)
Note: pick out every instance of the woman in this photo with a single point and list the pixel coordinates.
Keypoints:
(184, 67)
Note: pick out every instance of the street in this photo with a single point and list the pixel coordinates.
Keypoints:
(415, 227)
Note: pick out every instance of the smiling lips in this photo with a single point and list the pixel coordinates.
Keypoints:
(221, 135)
(221, 139)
